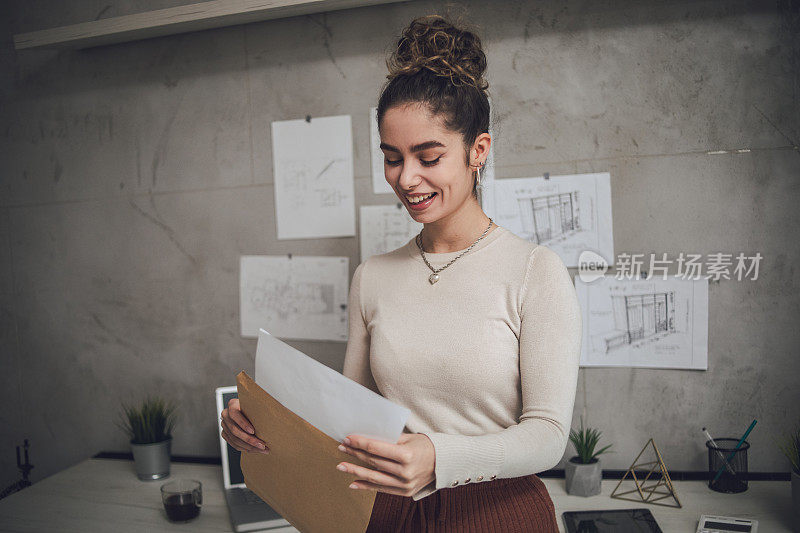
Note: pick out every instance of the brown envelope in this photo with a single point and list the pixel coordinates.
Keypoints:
(298, 478)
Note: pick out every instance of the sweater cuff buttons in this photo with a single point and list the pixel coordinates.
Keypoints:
(479, 478)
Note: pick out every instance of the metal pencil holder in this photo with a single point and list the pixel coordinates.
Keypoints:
(734, 470)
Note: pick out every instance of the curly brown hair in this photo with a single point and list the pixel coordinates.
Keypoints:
(441, 66)
(433, 43)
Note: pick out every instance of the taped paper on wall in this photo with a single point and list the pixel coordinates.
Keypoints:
(656, 323)
(313, 170)
(304, 297)
(379, 183)
(568, 214)
(385, 228)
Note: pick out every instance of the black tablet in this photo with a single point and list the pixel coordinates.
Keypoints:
(616, 521)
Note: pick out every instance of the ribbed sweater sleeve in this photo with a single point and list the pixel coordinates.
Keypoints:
(356, 358)
(549, 353)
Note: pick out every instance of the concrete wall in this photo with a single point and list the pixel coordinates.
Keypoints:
(134, 176)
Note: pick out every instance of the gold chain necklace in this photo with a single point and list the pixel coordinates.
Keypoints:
(433, 278)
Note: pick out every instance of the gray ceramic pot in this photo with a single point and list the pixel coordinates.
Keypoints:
(152, 460)
(583, 479)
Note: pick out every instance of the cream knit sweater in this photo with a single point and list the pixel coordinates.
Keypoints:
(486, 358)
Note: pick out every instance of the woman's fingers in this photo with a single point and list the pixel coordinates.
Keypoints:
(238, 444)
(237, 421)
(361, 484)
(237, 432)
(235, 412)
(248, 441)
(375, 461)
(374, 476)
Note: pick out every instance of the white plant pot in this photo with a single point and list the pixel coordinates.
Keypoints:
(582, 479)
(152, 460)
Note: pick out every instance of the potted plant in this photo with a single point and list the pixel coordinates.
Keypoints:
(149, 427)
(790, 446)
(582, 472)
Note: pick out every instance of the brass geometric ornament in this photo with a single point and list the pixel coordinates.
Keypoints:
(649, 493)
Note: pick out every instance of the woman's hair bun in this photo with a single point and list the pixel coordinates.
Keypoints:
(433, 43)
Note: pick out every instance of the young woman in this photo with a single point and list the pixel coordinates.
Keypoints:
(475, 330)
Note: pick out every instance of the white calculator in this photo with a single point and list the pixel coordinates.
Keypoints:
(726, 524)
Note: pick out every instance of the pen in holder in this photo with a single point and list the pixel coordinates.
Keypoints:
(719, 453)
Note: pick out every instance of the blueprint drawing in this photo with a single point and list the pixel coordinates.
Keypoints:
(302, 297)
(657, 323)
(568, 214)
(313, 169)
(385, 228)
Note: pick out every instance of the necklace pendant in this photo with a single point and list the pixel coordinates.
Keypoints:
(433, 278)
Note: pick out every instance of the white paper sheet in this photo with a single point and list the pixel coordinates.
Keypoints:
(379, 184)
(304, 297)
(313, 169)
(385, 228)
(329, 401)
(656, 323)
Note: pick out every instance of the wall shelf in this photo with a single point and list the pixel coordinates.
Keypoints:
(180, 19)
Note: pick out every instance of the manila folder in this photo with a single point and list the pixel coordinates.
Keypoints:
(298, 477)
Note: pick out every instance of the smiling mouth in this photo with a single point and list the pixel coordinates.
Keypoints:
(426, 196)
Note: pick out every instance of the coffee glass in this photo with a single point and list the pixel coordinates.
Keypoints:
(182, 499)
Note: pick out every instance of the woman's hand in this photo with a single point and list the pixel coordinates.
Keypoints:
(238, 431)
(403, 468)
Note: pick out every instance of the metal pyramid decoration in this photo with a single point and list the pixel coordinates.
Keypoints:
(649, 493)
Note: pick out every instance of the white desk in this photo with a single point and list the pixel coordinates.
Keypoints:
(769, 502)
(105, 495)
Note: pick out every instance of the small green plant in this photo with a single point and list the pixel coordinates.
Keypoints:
(790, 446)
(152, 421)
(585, 441)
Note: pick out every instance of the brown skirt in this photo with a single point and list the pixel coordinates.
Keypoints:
(519, 504)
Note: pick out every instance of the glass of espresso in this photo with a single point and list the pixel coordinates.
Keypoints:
(182, 499)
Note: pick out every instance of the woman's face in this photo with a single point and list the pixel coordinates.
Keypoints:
(423, 157)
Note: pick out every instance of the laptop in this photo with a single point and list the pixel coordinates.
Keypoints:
(248, 511)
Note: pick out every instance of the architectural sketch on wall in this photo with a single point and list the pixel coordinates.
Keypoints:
(569, 214)
(313, 170)
(550, 217)
(658, 323)
(302, 297)
(636, 317)
(385, 228)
